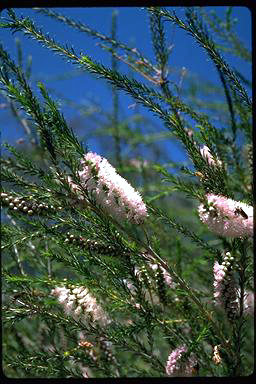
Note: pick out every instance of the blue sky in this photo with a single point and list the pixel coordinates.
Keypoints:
(133, 29)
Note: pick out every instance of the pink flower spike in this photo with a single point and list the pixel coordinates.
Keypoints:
(80, 304)
(227, 217)
(205, 152)
(219, 275)
(111, 191)
(174, 367)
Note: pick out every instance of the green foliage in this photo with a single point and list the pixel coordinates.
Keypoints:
(153, 282)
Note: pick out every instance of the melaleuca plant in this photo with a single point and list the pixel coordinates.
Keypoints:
(113, 265)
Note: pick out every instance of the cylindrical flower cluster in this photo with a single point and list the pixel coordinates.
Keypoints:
(225, 287)
(158, 281)
(26, 205)
(176, 367)
(230, 297)
(249, 302)
(250, 155)
(166, 276)
(205, 152)
(216, 358)
(219, 274)
(80, 304)
(106, 348)
(92, 245)
(227, 217)
(111, 191)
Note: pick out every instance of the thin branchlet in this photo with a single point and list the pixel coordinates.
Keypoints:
(196, 29)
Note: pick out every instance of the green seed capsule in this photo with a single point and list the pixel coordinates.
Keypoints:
(30, 212)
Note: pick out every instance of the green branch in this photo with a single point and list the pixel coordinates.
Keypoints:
(196, 30)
